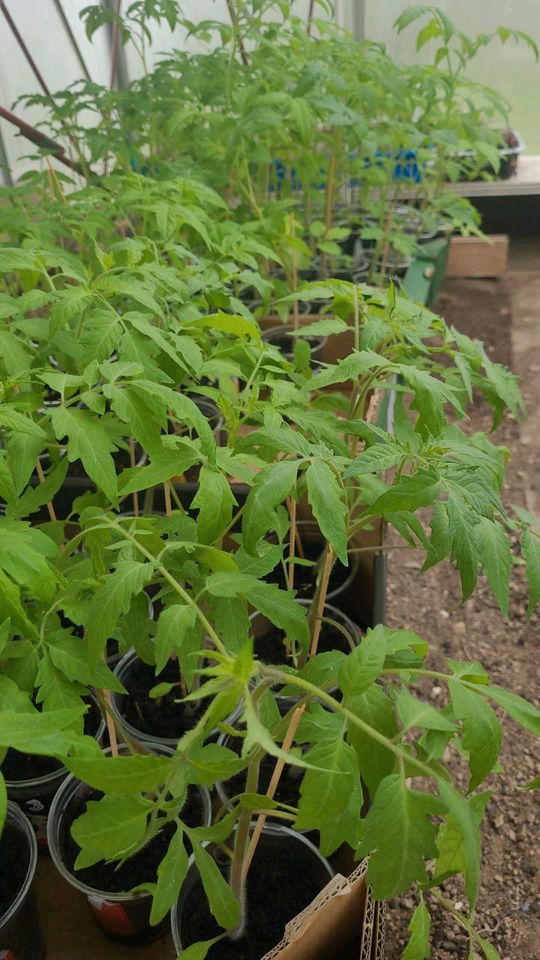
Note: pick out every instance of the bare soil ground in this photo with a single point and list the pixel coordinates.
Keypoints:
(504, 315)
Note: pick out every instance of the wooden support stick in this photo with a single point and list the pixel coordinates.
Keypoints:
(41, 476)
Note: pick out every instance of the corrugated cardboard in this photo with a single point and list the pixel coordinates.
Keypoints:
(342, 923)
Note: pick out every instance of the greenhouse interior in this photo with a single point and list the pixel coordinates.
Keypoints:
(269, 480)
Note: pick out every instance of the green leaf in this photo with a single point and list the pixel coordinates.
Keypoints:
(25, 731)
(530, 548)
(215, 501)
(11, 606)
(418, 947)
(459, 839)
(282, 610)
(24, 557)
(270, 489)
(3, 802)
(516, 707)
(416, 713)
(112, 599)
(374, 459)
(495, 557)
(167, 465)
(331, 797)
(467, 815)
(70, 656)
(171, 874)
(462, 534)
(374, 760)
(110, 828)
(408, 492)
(199, 951)
(400, 836)
(223, 905)
(327, 500)
(142, 416)
(363, 665)
(176, 633)
(35, 497)
(481, 731)
(488, 949)
(90, 443)
(122, 774)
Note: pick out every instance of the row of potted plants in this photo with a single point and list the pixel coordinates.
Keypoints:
(188, 500)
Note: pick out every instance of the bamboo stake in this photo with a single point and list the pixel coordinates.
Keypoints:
(238, 38)
(272, 787)
(41, 476)
(167, 495)
(321, 599)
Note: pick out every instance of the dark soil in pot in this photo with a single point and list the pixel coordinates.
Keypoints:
(163, 718)
(284, 878)
(142, 867)
(14, 863)
(270, 646)
(288, 790)
(19, 766)
(305, 577)
(20, 930)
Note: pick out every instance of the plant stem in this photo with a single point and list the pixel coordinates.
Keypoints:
(174, 584)
(280, 677)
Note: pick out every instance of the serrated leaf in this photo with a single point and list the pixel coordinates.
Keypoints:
(223, 905)
(467, 815)
(112, 599)
(110, 827)
(516, 707)
(481, 731)
(171, 874)
(418, 947)
(374, 760)
(374, 459)
(270, 489)
(459, 831)
(90, 443)
(530, 548)
(331, 797)
(215, 501)
(70, 656)
(131, 774)
(363, 665)
(400, 836)
(495, 557)
(417, 713)
(327, 500)
(176, 634)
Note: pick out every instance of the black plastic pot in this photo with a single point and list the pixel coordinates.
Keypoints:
(341, 579)
(122, 917)
(20, 929)
(35, 794)
(287, 873)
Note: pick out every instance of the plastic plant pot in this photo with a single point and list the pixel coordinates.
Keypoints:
(157, 729)
(287, 873)
(34, 795)
(122, 917)
(20, 929)
(341, 578)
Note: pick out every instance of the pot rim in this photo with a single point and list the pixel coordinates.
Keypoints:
(269, 828)
(19, 819)
(311, 527)
(62, 771)
(169, 742)
(65, 793)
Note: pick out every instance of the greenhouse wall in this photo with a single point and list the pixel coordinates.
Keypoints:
(39, 23)
(509, 67)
